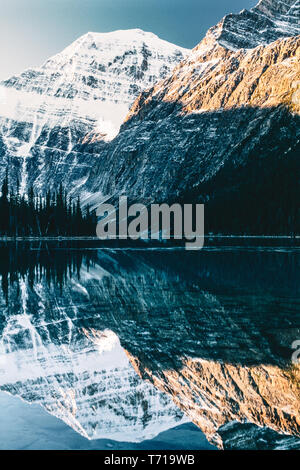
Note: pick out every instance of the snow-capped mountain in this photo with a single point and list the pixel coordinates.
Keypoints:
(86, 88)
(263, 24)
(56, 122)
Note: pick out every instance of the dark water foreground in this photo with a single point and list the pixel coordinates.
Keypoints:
(129, 347)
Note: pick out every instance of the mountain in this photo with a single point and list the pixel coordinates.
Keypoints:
(222, 129)
(86, 89)
(263, 24)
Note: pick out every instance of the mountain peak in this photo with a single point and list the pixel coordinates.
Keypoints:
(87, 88)
(277, 7)
(120, 39)
(268, 21)
(121, 33)
(118, 35)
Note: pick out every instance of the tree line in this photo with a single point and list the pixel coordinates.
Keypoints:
(36, 215)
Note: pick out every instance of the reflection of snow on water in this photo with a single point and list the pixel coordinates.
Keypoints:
(3, 352)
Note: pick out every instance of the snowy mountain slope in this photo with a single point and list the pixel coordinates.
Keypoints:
(88, 87)
(263, 24)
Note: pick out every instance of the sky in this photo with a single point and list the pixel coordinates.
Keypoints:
(31, 31)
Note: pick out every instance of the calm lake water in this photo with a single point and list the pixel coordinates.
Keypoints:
(113, 348)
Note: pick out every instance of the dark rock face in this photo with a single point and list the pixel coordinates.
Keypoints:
(181, 152)
(223, 133)
(248, 436)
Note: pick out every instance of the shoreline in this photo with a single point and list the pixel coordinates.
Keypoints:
(280, 237)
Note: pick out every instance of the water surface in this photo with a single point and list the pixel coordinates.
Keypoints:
(136, 348)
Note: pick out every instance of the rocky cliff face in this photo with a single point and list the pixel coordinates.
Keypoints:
(228, 111)
(263, 24)
(209, 113)
(87, 88)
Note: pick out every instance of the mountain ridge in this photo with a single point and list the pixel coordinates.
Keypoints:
(188, 137)
(262, 24)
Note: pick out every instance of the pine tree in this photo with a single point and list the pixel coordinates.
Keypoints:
(38, 215)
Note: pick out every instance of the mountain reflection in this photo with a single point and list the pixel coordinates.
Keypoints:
(208, 334)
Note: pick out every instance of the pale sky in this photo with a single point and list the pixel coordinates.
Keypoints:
(33, 30)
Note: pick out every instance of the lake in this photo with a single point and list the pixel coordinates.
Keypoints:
(107, 347)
